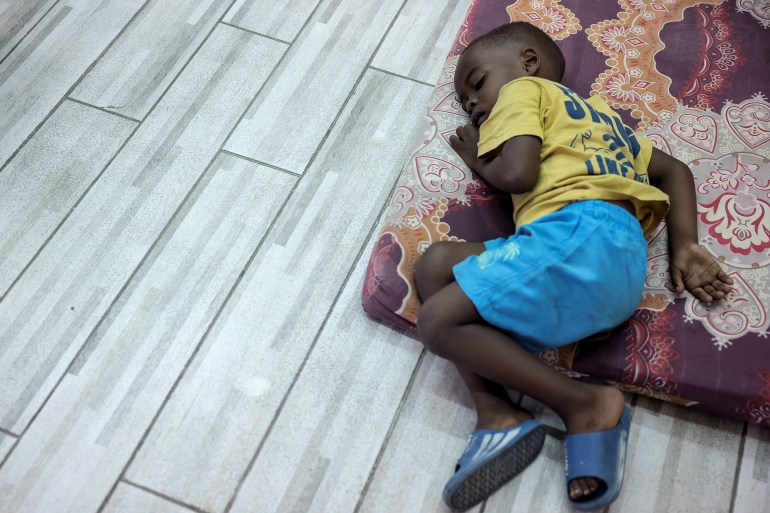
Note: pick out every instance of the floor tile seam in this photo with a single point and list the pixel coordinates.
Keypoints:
(254, 32)
(10, 451)
(28, 32)
(6, 432)
(375, 68)
(737, 476)
(391, 428)
(102, 109)
(163, 496)
(260, 163)
(74, 86)
(352, 89)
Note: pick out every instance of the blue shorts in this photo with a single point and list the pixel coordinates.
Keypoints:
(561, 278)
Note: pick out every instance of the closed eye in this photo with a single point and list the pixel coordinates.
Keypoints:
(479, 82)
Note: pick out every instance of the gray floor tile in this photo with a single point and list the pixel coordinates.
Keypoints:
(144, 60)
(98, 414)
(17, 19)
(206, 435)
(51, 59)
(319, 453)
(48, 176)
(54, 307)
(417, 45)
(293, 113)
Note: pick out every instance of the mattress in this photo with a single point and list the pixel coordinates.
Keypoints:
(690, 76)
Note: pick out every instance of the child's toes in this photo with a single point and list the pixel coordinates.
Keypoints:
(582, 487)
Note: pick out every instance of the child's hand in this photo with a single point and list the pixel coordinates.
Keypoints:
(697, 271)
(466, 144)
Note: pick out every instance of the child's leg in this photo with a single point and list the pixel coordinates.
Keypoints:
(494, 408)
(450, 326)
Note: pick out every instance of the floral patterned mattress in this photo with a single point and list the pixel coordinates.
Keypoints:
(689, 74)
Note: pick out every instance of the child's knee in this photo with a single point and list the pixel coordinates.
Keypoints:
(431, 326)
(433, 266)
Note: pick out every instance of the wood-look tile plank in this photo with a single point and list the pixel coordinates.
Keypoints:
(129, 499)
(82, 439)
(678, 460)
(319, 453)
(48, 176)
(48, 314)
(753, 486)
(421, 38)
(143, 61)
(291, 116)
(207, 433)
(17, 19)
(281, 19)
(51, 59)
(431, 432)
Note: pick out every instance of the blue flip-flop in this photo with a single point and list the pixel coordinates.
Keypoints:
(601, 455)
(492, 458)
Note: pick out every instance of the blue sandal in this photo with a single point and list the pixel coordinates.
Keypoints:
(492, 458)
(601, 455)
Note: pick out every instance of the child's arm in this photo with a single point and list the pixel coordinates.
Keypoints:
(514, 170)
(691, 266)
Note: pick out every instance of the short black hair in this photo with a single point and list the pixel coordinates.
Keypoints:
(521, 32)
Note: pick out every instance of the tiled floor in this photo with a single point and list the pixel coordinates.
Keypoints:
(188, 192)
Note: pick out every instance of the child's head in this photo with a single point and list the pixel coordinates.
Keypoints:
(506, 53)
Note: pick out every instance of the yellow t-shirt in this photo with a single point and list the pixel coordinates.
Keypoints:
(587, 153)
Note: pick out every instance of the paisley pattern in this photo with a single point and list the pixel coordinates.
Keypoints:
(669, 67)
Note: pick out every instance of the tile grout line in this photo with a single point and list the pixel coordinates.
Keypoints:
(163, 496)
(102, 109)
(255, 32)
(4, 431)
(739, 464)
(391, 429)
(10, 451)
(28, 32)
(72, 88)
(375, 68)
(264, 164)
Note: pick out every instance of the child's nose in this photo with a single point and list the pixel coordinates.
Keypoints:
(472, 102)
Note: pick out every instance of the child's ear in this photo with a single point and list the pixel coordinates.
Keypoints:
(530, 60)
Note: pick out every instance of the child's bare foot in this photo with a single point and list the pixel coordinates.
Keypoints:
(604, 414)
(502, 417)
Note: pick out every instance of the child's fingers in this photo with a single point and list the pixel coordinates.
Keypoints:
(724, 277)
(676, 279)
(701, 295)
